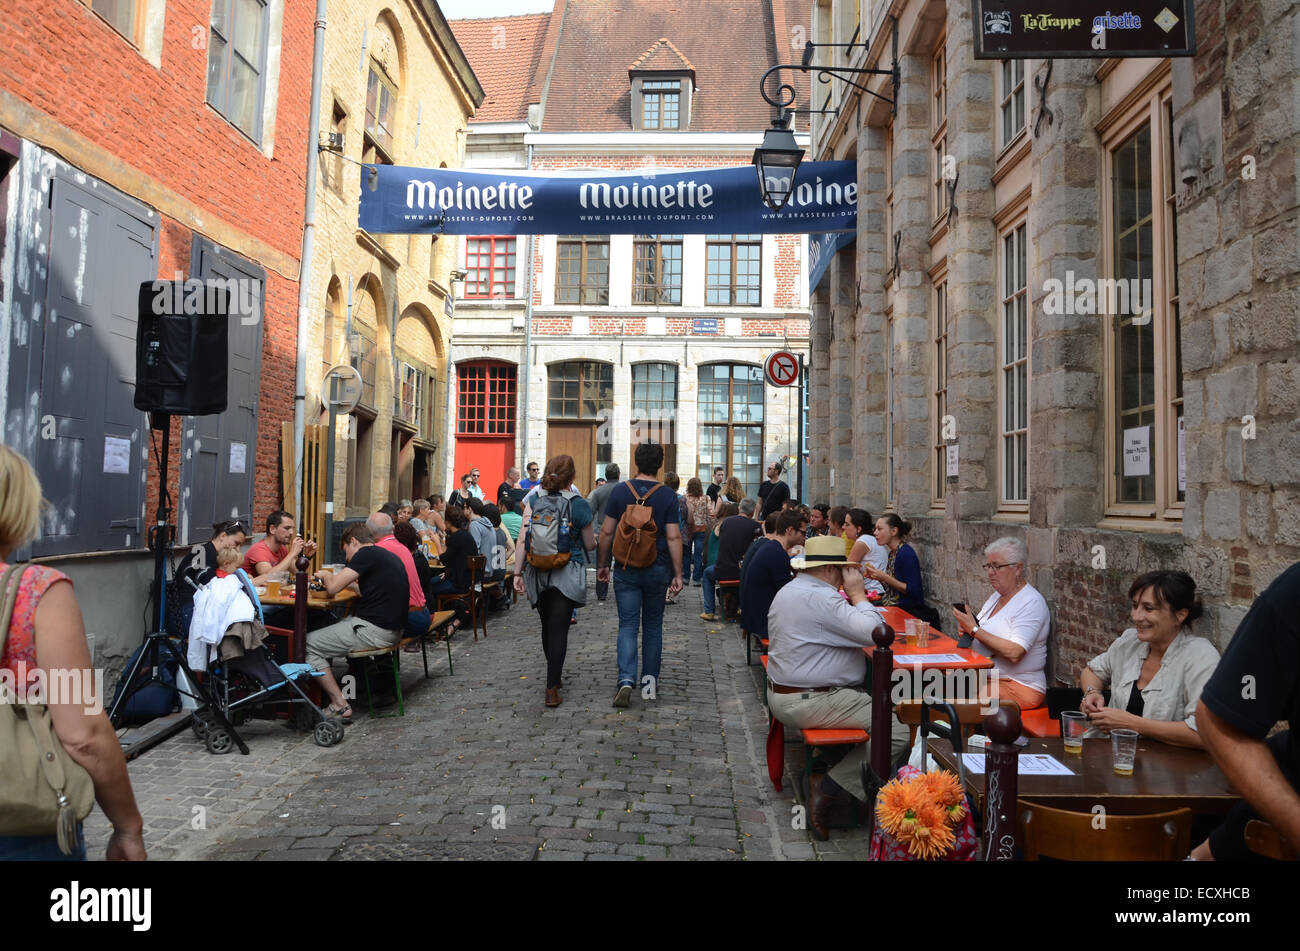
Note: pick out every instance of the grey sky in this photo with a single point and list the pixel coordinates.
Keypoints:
(470, 9)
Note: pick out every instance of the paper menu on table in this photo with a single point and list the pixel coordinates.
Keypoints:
(1028, 764)
(929, 659)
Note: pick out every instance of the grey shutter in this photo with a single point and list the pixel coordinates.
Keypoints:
(210, 492)
(101, 249)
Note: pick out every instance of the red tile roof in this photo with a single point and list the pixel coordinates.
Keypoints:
(731, 43)
(505, 53)
(662, 55)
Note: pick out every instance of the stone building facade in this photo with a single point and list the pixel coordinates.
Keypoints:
(399, 90)
(980, 311)
(671, 362)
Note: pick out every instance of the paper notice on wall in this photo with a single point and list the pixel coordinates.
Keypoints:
(1137, 451)
(952, 461)
(238, 455)
(117, 455)
(1182, 457)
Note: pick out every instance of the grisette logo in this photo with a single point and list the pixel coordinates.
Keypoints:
(230, 297)
(77, 904)
(1109, 296)
(1119, 21)
(65, 687)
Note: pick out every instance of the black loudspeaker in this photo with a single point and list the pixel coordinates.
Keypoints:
(181, 347)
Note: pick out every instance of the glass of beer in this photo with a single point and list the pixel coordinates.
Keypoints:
(273, 589)
(1124, 748)
(1073, 725)
(922, 633)
(909, 631)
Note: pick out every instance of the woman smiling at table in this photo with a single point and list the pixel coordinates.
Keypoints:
(902, 575)
(1013, 625)
(1157, 668)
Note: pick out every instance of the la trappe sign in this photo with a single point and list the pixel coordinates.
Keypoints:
(1080, 29)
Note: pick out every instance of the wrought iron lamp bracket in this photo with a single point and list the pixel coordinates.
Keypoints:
(785, 92)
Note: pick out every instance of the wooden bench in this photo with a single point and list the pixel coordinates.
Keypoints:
(817, 738)
(437, 622)
(750, 637)
(394, 655)
(728, 593)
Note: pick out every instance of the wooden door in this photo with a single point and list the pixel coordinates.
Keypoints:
(579, 441)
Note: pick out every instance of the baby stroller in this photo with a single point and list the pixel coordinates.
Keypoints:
(239, 679)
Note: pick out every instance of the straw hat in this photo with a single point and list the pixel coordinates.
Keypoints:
(820, 551)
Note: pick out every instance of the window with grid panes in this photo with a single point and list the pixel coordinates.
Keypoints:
(579, 389)
(121, 15)
(730, 413)
(661, 103)
(490, 267)
(408, 389)
(1146, 395)
(734, 270)
(363, 357)
(582, 269)
(657, 269)
(1015, 367)
(939, 137)
(381, 107)
(485, 399)
(940, 308)
(654, 402)
(237, 62)
(1012, 106)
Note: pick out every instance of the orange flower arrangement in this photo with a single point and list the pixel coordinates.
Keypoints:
(922, 812)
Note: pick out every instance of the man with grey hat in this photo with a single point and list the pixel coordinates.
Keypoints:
(817, 666)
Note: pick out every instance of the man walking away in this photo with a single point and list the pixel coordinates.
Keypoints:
(641, 576)
(598, 499)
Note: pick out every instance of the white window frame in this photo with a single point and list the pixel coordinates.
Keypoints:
(1013, 295)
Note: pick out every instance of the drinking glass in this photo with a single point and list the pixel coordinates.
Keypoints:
(910, 627)
(1124, 748)
(1073, 725)
(273, 589)
(922, 633)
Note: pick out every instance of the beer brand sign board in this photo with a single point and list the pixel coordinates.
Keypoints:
(398, 200)
(1083, 29)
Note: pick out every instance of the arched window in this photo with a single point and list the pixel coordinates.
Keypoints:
(654, 409)
(731, 423)
(579, 399)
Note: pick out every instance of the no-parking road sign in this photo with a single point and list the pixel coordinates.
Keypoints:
(782, 368)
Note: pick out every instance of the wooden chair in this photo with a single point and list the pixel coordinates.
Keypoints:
(970, 713)
(1088, 837)
(1263, 839)
(473, 597)
(728, 598)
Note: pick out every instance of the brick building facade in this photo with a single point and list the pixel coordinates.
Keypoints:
(157, 138)
(645, 89)
(994, 220)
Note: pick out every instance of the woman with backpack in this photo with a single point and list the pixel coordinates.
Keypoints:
(551, 562)
(696, 505)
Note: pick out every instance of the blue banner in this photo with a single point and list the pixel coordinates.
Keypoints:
(398, 200)
(821, 248)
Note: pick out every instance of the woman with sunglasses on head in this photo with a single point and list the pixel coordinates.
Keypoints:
(1012, 626)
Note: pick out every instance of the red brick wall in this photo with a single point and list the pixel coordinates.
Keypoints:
(71, 65)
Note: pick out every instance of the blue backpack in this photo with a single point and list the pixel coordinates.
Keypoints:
(548, 541)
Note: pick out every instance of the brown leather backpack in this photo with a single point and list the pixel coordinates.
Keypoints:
(636, 536)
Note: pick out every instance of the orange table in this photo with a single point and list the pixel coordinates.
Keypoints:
(939, 644)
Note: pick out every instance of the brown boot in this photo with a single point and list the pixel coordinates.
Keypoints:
(553, 696)
(819, 808)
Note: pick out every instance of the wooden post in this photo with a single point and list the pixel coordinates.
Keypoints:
(882, 708)
(299, 650)
(1001, 784)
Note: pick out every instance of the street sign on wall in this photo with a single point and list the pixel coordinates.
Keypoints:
(1083, 29)
(782, 368)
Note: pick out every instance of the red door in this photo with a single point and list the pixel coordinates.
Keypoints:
(485, 423)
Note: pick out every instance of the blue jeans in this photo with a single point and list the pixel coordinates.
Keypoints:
(40, 848)
(708, 593)
(693, 556)
(417, 622)
(639, 593)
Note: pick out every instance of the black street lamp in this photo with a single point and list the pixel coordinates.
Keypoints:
(777, 161)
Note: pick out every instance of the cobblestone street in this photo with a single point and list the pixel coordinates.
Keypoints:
(480, 769)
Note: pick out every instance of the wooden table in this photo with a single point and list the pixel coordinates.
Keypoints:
(1164, 777)
(316, 600)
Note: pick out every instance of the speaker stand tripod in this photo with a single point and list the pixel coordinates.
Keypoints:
(158, 642)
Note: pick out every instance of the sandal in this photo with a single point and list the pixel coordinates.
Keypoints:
(343, 713)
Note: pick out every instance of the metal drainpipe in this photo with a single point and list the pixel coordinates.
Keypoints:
(528, 330)
(304, 268)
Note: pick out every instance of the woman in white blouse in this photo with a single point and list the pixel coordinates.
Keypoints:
(1157, 668)
(1012, 626)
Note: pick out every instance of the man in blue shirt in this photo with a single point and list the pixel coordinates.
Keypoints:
(639, 592)
(767, 570)
(533, 480)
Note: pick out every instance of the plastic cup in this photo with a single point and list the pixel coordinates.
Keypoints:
(273, 589)
(1073, 725)
(1124, 748)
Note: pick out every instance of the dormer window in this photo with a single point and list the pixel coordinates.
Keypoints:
(663, 82)
(661, 104)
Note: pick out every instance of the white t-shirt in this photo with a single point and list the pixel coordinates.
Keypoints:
(1025, 620)
(877, 556)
